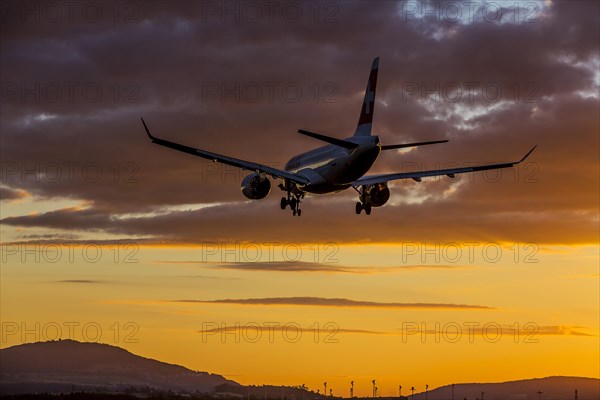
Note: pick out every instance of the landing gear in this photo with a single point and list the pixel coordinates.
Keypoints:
(293, 202)
(360, 206)
(364, 202)
(295, 206)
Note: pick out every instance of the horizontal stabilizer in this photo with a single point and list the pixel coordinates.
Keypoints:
(405, 145)
(329, 139)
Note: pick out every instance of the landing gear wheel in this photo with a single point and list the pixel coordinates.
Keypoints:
(359, 207)
(294, 213)
(284, 203)
(367, 208)
(293, 203)
(299, 212)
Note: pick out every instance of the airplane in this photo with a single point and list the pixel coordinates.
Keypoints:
(337, 166)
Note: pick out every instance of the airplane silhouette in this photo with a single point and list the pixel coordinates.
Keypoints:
(340, 165)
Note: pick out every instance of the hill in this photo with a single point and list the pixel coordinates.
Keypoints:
(66, 366)
(69, 365)
(552, 388)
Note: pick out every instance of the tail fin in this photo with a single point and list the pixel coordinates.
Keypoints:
(365, 120)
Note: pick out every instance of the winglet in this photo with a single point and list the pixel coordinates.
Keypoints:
(527, 155)
(147, 130)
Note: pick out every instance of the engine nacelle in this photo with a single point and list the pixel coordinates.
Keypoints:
(379, 194)
(256, 187)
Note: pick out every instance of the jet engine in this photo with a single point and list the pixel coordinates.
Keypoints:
(256, 187)
(379, 194)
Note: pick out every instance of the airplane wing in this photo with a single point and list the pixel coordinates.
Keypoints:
(383, 178)
(247, 165)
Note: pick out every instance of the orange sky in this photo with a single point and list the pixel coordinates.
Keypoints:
(533, 317)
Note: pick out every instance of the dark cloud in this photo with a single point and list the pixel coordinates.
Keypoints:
(438, 220)
(73, 92)
(334, 302)
(299, 266)
(275, 266)
(84, 281)
(529, 333)
(65, 218)
(49, 237)
(7, 193)
(70, 241)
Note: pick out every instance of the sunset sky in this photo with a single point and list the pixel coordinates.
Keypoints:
(486, 277)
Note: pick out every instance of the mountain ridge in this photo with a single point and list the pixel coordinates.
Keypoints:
(558, 387)
(64, 366)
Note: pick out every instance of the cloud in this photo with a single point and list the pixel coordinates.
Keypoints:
(285, 328)
(262, 222)
(526, 333)
(452, 331)
(7, 194)
(275, 266)
(300, 266)
(84, 281)
(50, 237)
(95, 150)
(560, 330)
(334, 302)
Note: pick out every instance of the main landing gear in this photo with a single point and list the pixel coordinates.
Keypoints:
(360, 206)
(292, 199)
(293, 202)
(364, 202)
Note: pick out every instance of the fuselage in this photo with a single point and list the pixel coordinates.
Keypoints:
(333, 168)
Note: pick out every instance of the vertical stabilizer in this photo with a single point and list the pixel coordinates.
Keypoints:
(365, 121)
